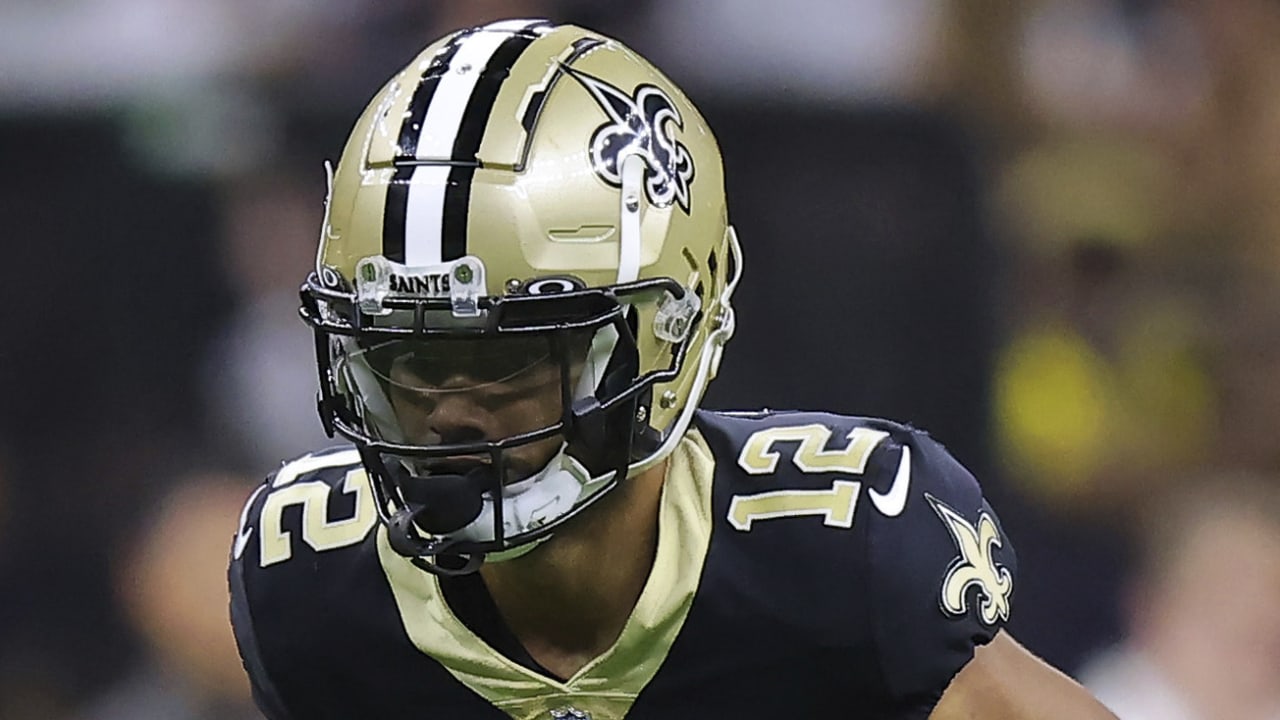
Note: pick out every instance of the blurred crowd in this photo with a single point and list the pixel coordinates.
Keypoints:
(1048, 231)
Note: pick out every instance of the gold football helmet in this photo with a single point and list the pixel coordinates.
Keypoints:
(522, 287)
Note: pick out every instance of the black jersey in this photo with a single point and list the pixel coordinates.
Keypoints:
(808, 565)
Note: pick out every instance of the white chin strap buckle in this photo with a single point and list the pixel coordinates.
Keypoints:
(534, 502)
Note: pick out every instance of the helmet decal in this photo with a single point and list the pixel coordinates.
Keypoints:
(641, 124)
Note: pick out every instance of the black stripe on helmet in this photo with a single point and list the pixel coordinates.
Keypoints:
(466, 145)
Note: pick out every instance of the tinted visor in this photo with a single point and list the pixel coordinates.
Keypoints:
(463, 391)
(453, 364)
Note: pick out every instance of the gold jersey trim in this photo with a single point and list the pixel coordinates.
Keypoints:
(607, 686)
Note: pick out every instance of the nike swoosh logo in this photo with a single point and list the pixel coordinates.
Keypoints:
(244, 533)
(892, 503)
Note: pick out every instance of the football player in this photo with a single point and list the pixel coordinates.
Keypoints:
(522, 290)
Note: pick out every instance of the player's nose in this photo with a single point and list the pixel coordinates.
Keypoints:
(454, 419)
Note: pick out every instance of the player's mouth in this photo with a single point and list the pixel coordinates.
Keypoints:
(515, 469)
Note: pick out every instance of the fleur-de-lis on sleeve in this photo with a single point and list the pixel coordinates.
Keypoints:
(976, 567)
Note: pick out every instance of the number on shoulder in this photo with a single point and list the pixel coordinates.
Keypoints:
(836, 505)
(319, 531)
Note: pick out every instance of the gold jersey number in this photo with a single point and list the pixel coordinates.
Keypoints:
(834, 505)
(320, 531)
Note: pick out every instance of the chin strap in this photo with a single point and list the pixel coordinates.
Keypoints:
(708, 362)
(534, 502)
(404, 538)
(433, 507)
(446, 502)
(447, 510)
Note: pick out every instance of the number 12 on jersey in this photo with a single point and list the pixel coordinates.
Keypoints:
(835, 505)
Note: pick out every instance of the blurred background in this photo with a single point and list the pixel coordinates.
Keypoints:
(1048, 231)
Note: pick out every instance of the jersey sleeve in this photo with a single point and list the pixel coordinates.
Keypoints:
(941, 571)
(264, 692)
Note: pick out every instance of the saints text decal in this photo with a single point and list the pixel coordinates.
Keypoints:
(643, 124)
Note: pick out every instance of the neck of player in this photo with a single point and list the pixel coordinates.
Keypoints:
(568, 600)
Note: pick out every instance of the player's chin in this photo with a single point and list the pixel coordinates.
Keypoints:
(528, 460)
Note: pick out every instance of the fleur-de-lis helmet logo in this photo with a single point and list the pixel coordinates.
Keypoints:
(643, 123)
(976, 567)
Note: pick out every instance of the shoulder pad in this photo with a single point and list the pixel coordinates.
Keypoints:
(941, 564)
(934, 569)
(752, 420)
(335, 508)
(310, 506)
